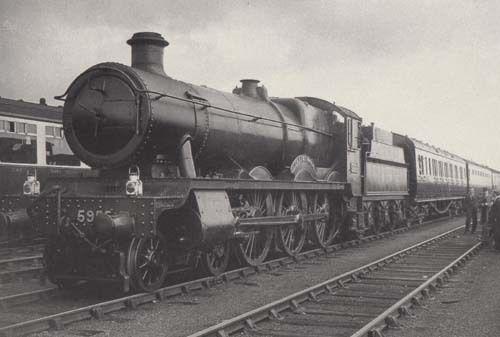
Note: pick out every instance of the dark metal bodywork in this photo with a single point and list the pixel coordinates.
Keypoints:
(160, 210)
(155, 112)
(385, 168)
(160, 195)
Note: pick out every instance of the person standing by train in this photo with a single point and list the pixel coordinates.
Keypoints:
(495, 220)
(470, 203)
(483, 208)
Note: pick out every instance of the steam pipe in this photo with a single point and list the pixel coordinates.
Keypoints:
(186, 162)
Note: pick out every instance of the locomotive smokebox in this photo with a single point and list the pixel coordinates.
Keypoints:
(147, 52)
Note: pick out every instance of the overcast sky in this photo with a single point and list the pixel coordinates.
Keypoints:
(428, 69)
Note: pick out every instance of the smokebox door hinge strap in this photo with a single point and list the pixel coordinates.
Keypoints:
(102, 89)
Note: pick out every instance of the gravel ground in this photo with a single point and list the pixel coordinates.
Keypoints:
(190, 313)
(467, 306)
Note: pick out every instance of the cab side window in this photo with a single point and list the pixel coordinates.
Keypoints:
(353, 131)
(349, 133)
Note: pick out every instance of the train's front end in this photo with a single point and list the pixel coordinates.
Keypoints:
(104, 228)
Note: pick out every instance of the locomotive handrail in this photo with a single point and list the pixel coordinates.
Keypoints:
(254, 118)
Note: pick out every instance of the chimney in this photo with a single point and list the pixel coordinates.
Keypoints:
(249, 88)
(147, 52)
(43, 101)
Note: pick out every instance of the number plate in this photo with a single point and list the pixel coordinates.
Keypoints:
(88, 215)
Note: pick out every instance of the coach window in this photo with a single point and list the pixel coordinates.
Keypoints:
(420, 165)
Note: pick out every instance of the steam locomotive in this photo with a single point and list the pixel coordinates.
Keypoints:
(186, 176)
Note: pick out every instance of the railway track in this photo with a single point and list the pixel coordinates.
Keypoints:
(21, 263)
(362, 302)
(17, 243)
(95, 309)
(19, 251)
(21, 269)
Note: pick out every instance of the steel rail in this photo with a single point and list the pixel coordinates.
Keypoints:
(293, 301)
(401, 307)
(26, 248)
(59, 320)
(23, 273)
(21, 243)
(31, 296)
(20, 260)
(25, 267)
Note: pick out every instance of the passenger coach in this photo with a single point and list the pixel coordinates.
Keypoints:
(480, 178)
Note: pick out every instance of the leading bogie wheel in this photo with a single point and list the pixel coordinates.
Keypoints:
(291, 238)
(215, 259)
(148, 263)
(252, 249)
